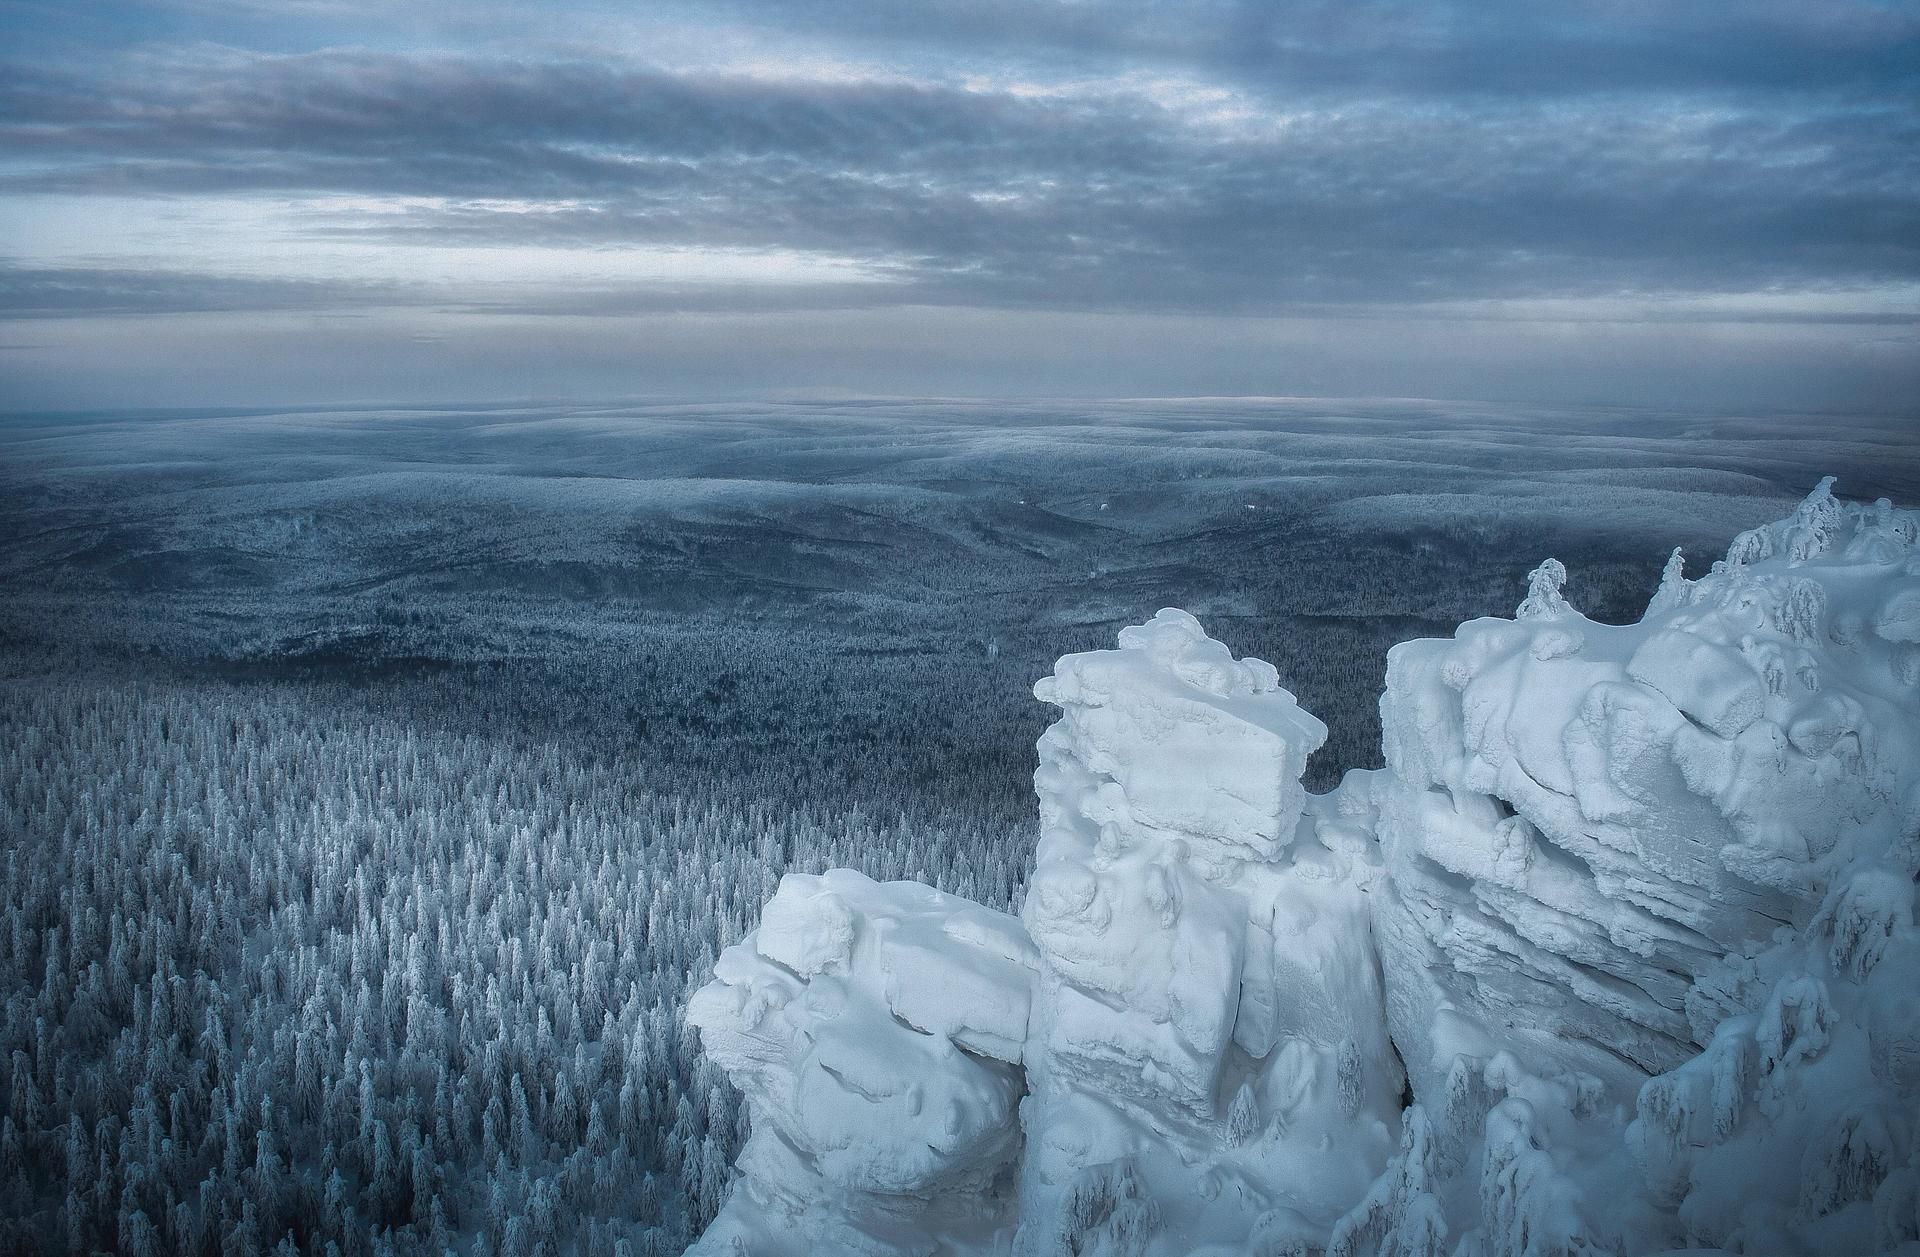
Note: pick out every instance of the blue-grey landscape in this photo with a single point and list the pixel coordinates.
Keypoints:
(960, 628)
(553, 696)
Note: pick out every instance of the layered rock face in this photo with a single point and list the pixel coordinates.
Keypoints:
(1207, 1012)
(879, 1030)
(1617, 955)
(1611, 847)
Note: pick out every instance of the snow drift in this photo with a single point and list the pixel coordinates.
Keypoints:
(1616, 955)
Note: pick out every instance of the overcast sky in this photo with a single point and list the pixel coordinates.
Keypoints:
(238, 201)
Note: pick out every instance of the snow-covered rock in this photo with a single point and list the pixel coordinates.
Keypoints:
(1663, 867)
(877, 1029)
(1617, 954)
(1207, 1016)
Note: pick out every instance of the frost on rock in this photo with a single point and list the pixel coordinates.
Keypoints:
(877, 1031)
(1208, 1008)
(1665, 872)
(1190, 1007)
(1617, 955)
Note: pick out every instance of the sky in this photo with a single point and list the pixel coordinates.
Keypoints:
(1708, 203)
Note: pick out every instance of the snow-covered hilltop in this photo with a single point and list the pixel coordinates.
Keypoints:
(1616, 955)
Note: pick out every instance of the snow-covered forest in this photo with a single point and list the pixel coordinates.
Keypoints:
(276, 972)
(370, 809)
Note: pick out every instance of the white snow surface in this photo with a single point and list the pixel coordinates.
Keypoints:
(1617, 955)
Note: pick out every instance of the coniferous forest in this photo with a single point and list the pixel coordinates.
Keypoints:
(280, 974)
(368, 815)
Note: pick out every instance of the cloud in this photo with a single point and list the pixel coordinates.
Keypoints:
(1403, 48)
(1408, 163)
(1370, 48)
(42, 292)
(253, 358)
(1095, 197)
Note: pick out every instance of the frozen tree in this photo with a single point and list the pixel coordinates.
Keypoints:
(1674, 586)
(1544, 600)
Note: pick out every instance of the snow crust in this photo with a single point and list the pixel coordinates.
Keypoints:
(1616, 955)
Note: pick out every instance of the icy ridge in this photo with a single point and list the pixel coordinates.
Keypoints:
(1702, 829)
(1626, 924)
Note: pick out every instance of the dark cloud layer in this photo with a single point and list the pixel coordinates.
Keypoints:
(1105, 198)
(1221, 157)
(1405, 48)
(81, 291)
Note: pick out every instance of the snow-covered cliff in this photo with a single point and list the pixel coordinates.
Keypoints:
(1616, 955)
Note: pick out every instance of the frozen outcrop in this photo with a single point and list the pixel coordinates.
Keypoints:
(1612, 810)
(1617, 955)
(1190, 1005)
(1664, 868)
(878, 1031)
(1207, 1018)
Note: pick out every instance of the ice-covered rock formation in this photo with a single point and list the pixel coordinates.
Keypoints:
(1207, 1019)
(878, 1030)
(1650, 865)
(1616, 955)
